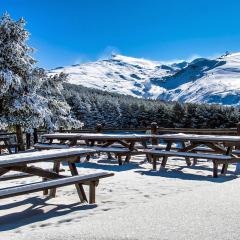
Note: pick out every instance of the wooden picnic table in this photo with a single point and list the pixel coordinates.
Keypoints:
(24, 163)
(6, 140)
(125, 140)
(216, 144)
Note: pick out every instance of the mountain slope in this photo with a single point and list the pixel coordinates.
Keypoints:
(220, 84)
(121, 74)
(202, 80)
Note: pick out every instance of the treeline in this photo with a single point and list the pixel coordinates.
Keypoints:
(93, 106)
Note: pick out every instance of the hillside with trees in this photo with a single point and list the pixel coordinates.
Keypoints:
(93, 106)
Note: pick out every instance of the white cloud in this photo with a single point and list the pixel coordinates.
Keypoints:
(108, 52)
(82, 58)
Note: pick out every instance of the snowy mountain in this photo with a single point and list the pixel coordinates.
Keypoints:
(121, 74)
(201, 80)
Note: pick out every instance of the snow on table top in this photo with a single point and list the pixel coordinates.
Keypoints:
(38, 156)
(96, 136)
(205, 138)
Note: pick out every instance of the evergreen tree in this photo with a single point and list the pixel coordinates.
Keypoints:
(28, 97)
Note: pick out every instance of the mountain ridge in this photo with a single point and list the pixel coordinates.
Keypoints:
(201, 80)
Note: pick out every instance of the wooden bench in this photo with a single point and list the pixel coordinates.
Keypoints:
(20, 163)
(216, 158)
(176, 147)
(47, 146)
(90, 179)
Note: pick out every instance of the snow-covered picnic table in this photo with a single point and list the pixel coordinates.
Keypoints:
(127, 141)
(220, 149)
(20, 163)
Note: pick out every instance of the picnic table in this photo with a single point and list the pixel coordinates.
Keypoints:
(6, 143)
(24, 164)
(127, 141)
(218, 148)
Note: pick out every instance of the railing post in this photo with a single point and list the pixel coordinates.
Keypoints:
(61, 129)
(35, 135)
(154, 132)
(238, 129)
(28, 140)
(238, 133)
(98, 128)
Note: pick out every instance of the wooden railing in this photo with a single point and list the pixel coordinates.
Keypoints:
(30, 139)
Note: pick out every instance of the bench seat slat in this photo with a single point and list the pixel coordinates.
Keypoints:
(35, 187)
(188, 154)
(50, 146)
(111, 149)
(197, 149)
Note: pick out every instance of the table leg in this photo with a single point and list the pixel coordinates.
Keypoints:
(79, 187)
(187, 159)
(131, 148)
(165, 158)
(225, 165)
(215, 169)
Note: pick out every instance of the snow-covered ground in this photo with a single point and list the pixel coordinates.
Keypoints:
(201, 80)
(137, 203)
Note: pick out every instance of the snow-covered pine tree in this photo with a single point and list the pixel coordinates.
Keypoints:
(22, 104)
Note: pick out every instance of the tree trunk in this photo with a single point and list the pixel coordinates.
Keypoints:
(19, 134)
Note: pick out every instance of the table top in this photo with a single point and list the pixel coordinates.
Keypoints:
(200, 138)
(39, 156)
(97, 136)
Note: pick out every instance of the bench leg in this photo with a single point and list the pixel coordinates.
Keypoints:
(215, 169)
(92, 192)
(195, 161)
(224, 169)
(45, 191)
(188, 161)
(88, 158)
(79, 187)
(56, 168)
(119, 157)
(128, 157)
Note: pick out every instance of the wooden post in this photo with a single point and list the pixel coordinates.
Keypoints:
(28, 140)
(154, 132)
(61, 129)
(19, 134)
(98, 128)
(238, 133)
(35, 135)
(56, 169)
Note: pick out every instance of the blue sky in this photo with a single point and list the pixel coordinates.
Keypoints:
(66, 32)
